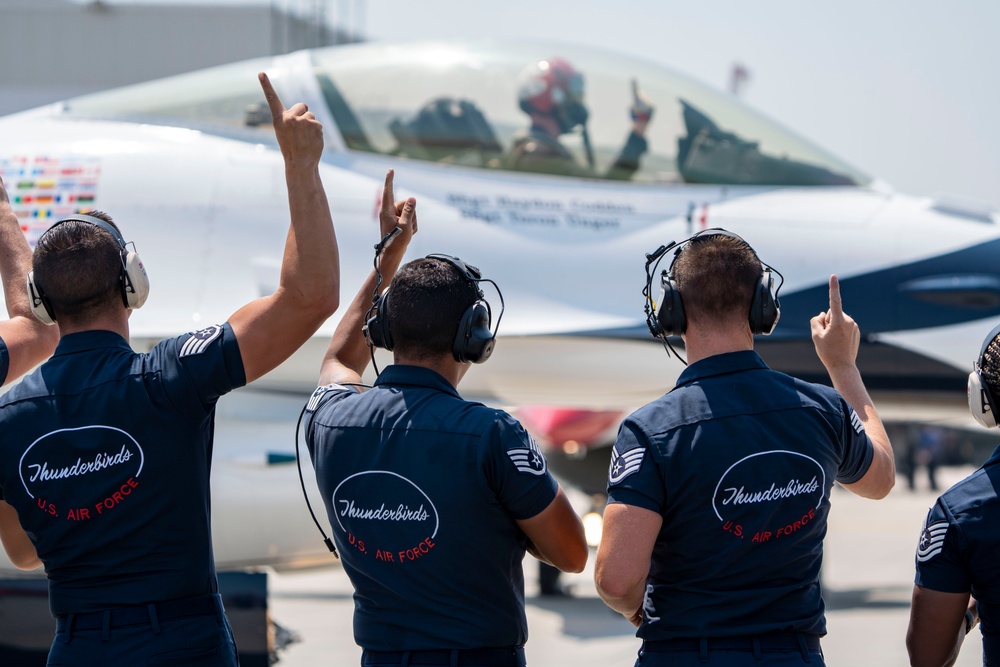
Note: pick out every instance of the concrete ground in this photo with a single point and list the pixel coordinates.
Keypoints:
(868, 576)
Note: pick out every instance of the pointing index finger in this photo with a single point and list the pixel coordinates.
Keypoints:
(273, 101)
(836, 303)
(388, 203)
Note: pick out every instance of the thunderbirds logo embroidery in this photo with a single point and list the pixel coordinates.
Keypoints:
(80, 474)
(625, 464)
(200, 340)
(770, 496)
(931, 540)
(386, 516)
(528, 460)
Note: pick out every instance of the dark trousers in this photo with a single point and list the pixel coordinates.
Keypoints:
(475, 657)
(778, 649)
(202, 640)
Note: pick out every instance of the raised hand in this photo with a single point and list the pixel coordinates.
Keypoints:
(400, 215)
(299, 134)
(835, 334)
(641, 110)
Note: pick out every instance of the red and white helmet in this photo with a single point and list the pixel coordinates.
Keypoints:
(553, 87)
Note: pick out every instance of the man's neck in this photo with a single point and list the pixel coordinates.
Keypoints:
(703, 342)
(116, 322)
(444, 365)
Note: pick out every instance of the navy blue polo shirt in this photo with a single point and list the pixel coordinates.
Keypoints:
(959, 548)
(739, 461)
(105, 454)
(422, 489)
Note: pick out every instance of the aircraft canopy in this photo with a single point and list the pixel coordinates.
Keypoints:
(458, 103)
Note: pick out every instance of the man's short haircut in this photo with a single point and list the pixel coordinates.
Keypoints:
(427, 299)
(78, 266)
(716, 276)
(990, 366)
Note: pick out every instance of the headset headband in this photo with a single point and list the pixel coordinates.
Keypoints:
(654, 257)
(97, 222)
(469, 272)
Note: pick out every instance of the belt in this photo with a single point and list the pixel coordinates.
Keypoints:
(487, 657)
(778, 641)
(150, 614)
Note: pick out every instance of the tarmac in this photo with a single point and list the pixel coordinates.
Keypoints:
(867, 578)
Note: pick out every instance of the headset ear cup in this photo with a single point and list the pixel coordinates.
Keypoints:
(377, 328)
(670, 316)
(135, 281)
(764, 308)
(981, 403)
(39, 304)
(474, 342)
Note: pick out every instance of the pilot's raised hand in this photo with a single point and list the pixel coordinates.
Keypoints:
(835, 334)
(397, 219)
(641, 111)
(299, 134)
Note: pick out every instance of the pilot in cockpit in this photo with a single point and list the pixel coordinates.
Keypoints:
(551, 93)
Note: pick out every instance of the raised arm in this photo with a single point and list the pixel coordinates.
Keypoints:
(347, 355)
(271, 328)
(837, 339)
(28, 341)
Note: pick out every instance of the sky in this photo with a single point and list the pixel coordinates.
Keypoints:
(905, 90)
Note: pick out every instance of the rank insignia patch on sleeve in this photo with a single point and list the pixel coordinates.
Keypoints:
(528, 460)
(931, 541)
(200, 340)
(625, 464)
(857, 423)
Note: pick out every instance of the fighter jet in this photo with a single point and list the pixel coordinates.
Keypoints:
(625, 156)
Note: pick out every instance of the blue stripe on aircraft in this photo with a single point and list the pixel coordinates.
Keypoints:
(946, 289)
(956, 287)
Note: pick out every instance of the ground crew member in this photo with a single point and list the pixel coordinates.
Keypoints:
(958, 572)
(106, 452)
(433, 500)
(719, 491)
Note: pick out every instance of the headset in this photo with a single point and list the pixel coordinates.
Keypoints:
(982, 403)
(474, 340)
(669, 319)
(133, 279)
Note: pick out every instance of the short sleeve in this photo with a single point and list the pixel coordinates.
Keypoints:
(858, 448)
(324, 397)
(940, 554)
(518, 472)
(207, 360)
(633, 476)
